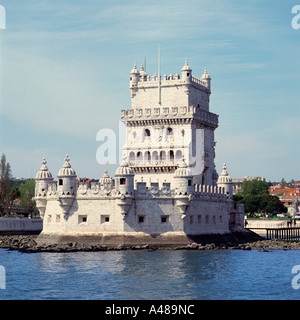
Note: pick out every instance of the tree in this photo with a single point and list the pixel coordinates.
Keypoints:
(26, 194)
(254, 187)
(5, 186)
(255, 196)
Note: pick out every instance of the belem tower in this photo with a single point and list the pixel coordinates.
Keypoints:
(166, 189)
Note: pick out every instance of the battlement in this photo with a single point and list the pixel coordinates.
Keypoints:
(176, 114)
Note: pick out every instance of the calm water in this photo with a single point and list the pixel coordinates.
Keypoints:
(150, 275)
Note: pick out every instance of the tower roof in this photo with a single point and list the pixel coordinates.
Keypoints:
(44, 173)
(106, 179)
(186, 66)
(124, 169)
(205, 75)
(224, 177)
(66, 170)
(134, 70)
(183, 170)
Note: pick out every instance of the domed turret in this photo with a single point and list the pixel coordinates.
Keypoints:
(106, 181)
(186, 72)
(66, 179)
(42, 180)
(183, 178)
(124, 178)
(143, 74)
(206, 78)
(134, 79)
(224, 181)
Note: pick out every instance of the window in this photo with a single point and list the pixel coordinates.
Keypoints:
(147, 133)
(170, 132)
(164, 219)
(58, 218)
(82, 219)
(191, 219)
(60, 182)
(123, 181)
(199, 219)
(207, 219)
(189, 183)
(141, 219)
(104, 219)
(187, 74)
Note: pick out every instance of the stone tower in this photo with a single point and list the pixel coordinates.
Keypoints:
(170, 118)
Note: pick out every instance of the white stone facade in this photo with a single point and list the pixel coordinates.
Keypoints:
(167, 183)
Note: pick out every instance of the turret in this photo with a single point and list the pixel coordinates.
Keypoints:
(134, 79)
(224, 181)
(206, 78)
(183, 179)
(186, 72)
(66, 179)
(66, 187)
(42, 180)
(106, 182)
(124, 179)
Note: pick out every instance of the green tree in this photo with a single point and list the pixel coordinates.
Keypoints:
(254, 187)
(26, 194)
(255, 196)
(5, 186)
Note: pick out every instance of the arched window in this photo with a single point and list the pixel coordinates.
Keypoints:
(139, 156)
(147, 133)
(170, 132)
(154, 156)
(162, 155)
(171, 155)
(131, 156)
(178, 155)
(147, 156)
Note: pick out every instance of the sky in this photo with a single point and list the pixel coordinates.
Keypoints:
(64, 75)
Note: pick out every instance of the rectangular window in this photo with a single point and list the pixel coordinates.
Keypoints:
(191, 219)
(123, 181)
(164, 219)
(199, 219)
(60, 182)
(214, 219)
(82, 219)
(207, 219)
(141, 219)
(104, 219)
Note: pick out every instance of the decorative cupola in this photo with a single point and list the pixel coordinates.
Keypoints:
(183, 178)
(106, 182)
(134, 79)
(224, 181)
(186, 72)
(143, 74)
(124, 184)
(124, 178)
(206, 78)
(42, 180)
(66, 186)
(183, 187)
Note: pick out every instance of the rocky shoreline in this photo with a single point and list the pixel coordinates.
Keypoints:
(28, 244)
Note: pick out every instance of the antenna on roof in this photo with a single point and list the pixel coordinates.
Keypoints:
(159, 82)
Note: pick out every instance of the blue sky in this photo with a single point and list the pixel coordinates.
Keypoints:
(65, 75)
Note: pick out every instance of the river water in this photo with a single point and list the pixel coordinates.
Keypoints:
(180, 275)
